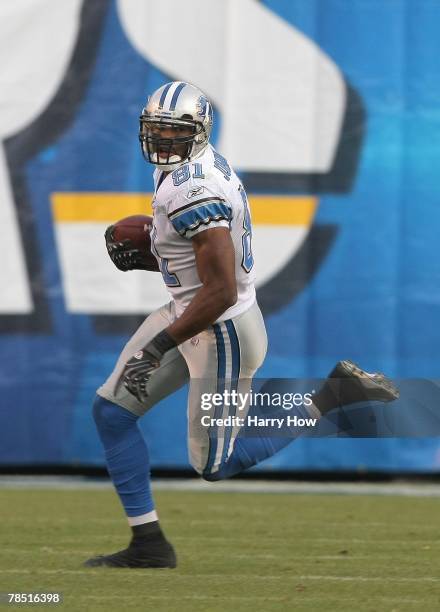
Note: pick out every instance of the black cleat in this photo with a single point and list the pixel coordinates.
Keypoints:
(357, 385)
(157, 552)
(348, 384)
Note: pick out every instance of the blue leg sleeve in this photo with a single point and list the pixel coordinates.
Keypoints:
(250, 449)
(248, 452)
(126, 455)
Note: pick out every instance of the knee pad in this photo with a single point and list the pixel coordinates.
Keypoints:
(110, 416)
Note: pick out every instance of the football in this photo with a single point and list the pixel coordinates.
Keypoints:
(137, 228)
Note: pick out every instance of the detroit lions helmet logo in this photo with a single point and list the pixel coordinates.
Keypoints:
(203, 107)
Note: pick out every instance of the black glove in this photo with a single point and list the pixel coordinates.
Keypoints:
(139, 368)
(124, 254)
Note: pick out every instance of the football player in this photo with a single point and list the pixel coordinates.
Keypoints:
(211, 333)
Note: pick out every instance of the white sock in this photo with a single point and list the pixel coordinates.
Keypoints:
(149, 517)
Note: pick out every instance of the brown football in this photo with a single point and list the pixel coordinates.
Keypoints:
(137, 229)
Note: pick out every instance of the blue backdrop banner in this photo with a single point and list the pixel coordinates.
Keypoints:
(330, 113)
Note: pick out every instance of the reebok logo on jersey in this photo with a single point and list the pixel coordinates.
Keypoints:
(195, 191)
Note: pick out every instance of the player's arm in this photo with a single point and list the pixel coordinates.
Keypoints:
(215, 260)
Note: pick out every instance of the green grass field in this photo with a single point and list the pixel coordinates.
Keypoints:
(236, 551)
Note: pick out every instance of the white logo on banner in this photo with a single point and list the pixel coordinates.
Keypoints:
(281, 102)
(36, 43)
(281, 98)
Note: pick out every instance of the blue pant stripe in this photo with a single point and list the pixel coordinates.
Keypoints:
(235, 374)
(221, 372)
(235, 349)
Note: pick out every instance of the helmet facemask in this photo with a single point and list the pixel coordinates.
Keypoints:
(171, 152)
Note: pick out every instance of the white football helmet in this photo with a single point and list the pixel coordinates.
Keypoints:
(178, 106)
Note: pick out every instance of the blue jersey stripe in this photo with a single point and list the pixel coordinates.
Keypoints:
(164, 95)
(201, 215)
(176, 95)
(207, 208)
(192, 204)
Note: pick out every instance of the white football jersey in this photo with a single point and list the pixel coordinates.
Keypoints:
(199, 195)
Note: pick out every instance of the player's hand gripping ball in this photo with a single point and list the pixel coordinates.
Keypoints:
(128, 244)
